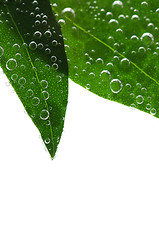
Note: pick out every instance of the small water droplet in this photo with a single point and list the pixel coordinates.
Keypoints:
(147, 38)
(139, 99)
(116, 85)
(44, 114)
(11, 64)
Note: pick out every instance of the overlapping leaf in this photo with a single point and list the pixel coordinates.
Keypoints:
(113, 48)
(33, 58)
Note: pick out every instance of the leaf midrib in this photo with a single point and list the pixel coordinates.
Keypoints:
(108, 46)
(33, 67)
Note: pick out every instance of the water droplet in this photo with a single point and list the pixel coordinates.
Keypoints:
(44, 114)
(35, 101)
(142, 50)
(44, 84)
(48, 34)
(113, 23)
(29, 93)
(11, 64)
(105, 75)
(69, 12)
(53, 58)
(1, 51)
(45, 95)
(116, 85)
(22, 81)
(148, 106)
(14, 77)
(125, 63)
(135, 18)
(139, 99)
(153, 111)
(117, 5)
(88, 86)
(33, 45)
(147, 38)
(37, 34)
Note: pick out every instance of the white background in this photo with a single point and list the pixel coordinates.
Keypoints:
(103, 183)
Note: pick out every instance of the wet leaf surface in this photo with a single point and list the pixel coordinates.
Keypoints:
(113, 48)
(33, 58)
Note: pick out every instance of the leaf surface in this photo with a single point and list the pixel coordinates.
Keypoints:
(33, 58)
(113, 48)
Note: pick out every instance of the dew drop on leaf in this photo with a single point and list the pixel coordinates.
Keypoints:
(37, 34)
(45, 95)
(35, 101)
(117, 5)
(116, 85)
(44, 84)
(147, 38)
(33, 45)
(47, 140)
(44, 114)
(153, 111)
(1, 51)
(69, 12)
(14, 77)
(22, 81)
(139, 99)
(11, 64)
(105, 75)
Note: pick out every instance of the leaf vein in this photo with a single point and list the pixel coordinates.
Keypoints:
(108, 46)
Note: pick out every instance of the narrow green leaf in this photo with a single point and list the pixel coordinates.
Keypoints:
(33, 58)
(113, 48)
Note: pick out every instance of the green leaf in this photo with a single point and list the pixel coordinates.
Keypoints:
(33, 58)
(113, 48)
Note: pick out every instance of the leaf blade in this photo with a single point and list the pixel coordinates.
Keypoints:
(35, 71)
(113, 58)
